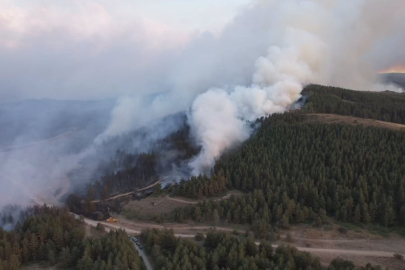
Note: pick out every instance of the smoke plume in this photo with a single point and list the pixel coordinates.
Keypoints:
(262, 60)
(325, 42)
(255, 66)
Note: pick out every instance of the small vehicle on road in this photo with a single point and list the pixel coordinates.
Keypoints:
(134, 239)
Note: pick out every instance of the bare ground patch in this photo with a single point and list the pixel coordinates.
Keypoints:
(161, 205)
(146, 207)
(334, 119)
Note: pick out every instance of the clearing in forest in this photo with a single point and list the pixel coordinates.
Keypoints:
(335, 119)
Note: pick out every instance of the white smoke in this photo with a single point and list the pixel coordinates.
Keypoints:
(217, 117)
(314, 42)
(256, 66)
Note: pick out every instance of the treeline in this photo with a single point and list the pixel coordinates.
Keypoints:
(222, 251)
(385, 106)
(54, 236)
(306, 171)
(262, 210)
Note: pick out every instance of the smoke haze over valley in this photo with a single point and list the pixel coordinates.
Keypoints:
(84, 79)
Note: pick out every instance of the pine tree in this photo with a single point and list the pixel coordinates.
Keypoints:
(58, 238)
(65, 258)
(34, 247)
(51, 257)
(357, 214)
(14, 262)
(215, 217)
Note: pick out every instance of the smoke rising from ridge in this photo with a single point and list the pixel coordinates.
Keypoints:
(308, 50)
(257, 65)
(331, 42)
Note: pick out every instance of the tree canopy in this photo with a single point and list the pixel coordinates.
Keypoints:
(55, 236)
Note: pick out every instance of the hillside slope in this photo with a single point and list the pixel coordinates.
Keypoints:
(385, 106)
(300, 170)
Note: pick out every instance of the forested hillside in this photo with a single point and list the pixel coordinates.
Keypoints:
(127, 171)
(54, 236)
(385, 106)
(222, 251)
(302, 171)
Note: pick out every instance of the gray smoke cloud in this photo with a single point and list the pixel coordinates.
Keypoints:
(43, 140)
(257, 65)
(287, 44)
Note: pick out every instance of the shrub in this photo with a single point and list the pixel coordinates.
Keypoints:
(342, 230)
(199, 237)
(398, 256)
(100, 227)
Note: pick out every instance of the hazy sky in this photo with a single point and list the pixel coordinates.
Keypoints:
(181, 14)
(86, 49)
(90, 49)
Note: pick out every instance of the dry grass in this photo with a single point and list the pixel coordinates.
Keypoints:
(145, 206)
(334, 118)
(164, 205)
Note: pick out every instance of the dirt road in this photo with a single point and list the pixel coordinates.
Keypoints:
(152, 185)
(128, 193)
(114, 197)
(227, 196)
(367, 253)
(115, 226)
(144, 257)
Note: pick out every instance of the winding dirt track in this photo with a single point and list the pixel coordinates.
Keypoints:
(367, 253)
(132, 227)
(128, 193)
(152, 185)
(114, 197)
(144, 257)
(227, 196)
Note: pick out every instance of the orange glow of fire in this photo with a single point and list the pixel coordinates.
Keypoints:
(394, 69)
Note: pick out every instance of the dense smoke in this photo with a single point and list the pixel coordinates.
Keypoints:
(261, 62)
(43, 140)
(257, 65)
(327, 42)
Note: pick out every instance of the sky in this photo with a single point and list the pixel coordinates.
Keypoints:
(188, 15)
(87, 49)
(95, 49)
